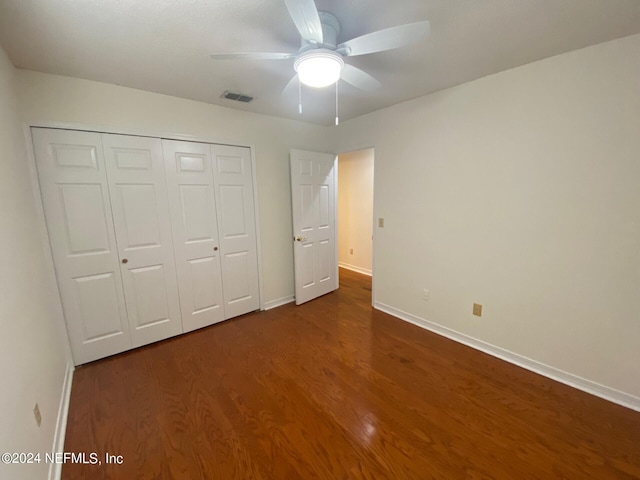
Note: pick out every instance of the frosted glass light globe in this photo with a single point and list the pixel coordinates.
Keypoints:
(319, 68)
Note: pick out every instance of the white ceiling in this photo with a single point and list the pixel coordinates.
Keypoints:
(163, 45)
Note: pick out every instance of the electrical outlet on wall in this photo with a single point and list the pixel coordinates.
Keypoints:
(426, 295)
(477, 309)
(351, 251)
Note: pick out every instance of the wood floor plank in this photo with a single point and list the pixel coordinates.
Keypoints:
(334, 389)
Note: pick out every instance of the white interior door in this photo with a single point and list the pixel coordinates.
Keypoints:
(75, 197)
(135, 171)
(313, 194)
(195, 232)
(233, 181)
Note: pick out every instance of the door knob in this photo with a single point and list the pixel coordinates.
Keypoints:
(300, 238)
(215, 249)
(124, 260)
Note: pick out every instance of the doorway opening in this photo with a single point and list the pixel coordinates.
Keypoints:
(355, 211)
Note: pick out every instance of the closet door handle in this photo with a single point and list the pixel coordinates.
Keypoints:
(124, 260)
(215, 249)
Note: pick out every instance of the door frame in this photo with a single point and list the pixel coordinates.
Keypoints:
(35, 188)
(374, 229)
(373, 219)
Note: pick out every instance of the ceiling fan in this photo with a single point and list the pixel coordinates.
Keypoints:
(320, 60)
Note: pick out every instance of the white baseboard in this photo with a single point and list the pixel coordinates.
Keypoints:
(55, 469)
(278, 302)
(353, 268)
(602, 391)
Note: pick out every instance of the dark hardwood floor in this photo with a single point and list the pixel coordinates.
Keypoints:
(336, 390)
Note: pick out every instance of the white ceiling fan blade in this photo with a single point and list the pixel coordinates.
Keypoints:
(386, 39)
(305, 16)
(291, 87)
(359, 78)
(252, 56)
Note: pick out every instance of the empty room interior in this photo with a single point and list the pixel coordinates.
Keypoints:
(299, 239)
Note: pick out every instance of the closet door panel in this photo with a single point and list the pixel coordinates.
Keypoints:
(97, 296)
(147, 288)
(233, 180)
(135, 172)
(75, 195)
(193, 216)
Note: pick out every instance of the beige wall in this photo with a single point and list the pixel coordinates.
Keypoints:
(355, 210)
(54, 98)
(519, 191)
(34, 353)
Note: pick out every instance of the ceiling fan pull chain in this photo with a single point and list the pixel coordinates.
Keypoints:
(337, 117)
(299, 96)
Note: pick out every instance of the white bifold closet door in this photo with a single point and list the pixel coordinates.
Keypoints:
(135, 171)
(195, 226)
(75, 196)
(233, 183)
(212, 211)
(105, 204)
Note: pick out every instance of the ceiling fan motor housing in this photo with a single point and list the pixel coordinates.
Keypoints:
(330, 31)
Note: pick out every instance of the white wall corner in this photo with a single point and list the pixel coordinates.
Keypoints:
(588, 386)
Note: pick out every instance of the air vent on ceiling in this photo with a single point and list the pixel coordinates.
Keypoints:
(238, 97)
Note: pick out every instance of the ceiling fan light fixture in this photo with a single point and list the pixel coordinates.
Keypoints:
(319, 68)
